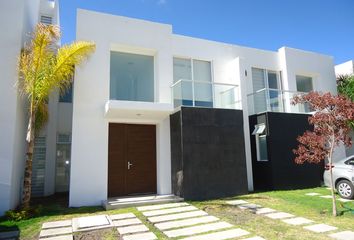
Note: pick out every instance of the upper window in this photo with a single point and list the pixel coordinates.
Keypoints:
(182, 69)
(46, 20)
(266, 95)
(192, 82)
(304, 84)
(263, 78)
(67, 97)
(131, 77)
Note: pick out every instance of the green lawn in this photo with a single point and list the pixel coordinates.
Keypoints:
(295, 202)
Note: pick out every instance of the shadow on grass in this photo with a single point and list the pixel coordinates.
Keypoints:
(55, 205)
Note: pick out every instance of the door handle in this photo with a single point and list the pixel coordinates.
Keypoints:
(129, 165)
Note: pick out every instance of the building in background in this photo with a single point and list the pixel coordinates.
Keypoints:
(346, 68)
(17, 20)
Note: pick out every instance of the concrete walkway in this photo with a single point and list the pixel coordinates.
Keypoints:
(128, 226)
(314, 194)
(293, 220)
(187, 222)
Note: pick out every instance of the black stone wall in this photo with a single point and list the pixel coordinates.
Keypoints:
(207, 153)
(281, 172)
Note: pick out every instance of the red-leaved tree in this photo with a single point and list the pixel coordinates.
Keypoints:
(330, 128)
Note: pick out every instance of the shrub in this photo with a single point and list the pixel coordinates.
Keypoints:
(22, 214)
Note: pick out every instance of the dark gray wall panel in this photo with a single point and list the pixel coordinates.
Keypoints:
(281, 172)
(212, 153)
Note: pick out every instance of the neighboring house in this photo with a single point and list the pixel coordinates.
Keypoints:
(153, 112)
(346, 68)
(17, 21)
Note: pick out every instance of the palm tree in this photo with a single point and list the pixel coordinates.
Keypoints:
(43, 69)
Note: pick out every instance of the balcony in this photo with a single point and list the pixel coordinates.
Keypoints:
(274, 100)
(205, 94)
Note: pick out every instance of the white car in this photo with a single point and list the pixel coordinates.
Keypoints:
(343, 177)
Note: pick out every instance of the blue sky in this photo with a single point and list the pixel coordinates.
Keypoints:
(325, 26)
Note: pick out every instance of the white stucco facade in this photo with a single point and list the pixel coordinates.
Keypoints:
(93, 110)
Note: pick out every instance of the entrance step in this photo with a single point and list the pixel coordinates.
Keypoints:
(135, 201)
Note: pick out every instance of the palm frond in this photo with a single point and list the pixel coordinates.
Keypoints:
(66, 59)
(43, 69)
(35, 57)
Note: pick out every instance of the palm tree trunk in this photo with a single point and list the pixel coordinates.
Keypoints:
(27, 182)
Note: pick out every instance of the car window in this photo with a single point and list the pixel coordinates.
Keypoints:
(350, 162)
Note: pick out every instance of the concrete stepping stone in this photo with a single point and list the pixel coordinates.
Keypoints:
(326, 196)
(162, 206)
(197, 229)
(91, 223)
(236, 202)
(249, 206)
(297, 221)
(127, 222)
(169, 211)
(185, 222)
(345, 235)
(63, 237)
(265, 210)
(176, 216)
(132, 229)
(55, 232)
(140, 236)
(254, 238)
(320, 228)
(228, 234)
(122, 216)
(312, 194)
(57, 224)
(279, 215)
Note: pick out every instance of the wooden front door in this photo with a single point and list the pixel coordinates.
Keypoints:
(131, 159)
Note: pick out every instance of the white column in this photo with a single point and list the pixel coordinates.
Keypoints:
(240, 66)
(163, 150)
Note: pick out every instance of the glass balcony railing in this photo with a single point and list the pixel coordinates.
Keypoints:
(274, 100)
(205, 94)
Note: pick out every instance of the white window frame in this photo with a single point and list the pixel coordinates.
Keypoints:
(260, 132)
(199, 81)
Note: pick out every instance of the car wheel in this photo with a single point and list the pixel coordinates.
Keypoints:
(345, 189)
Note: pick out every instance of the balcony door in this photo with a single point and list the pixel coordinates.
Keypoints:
(304, 84)
(192, 83)
(266, 95)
